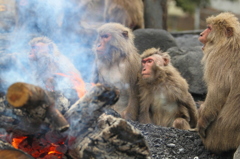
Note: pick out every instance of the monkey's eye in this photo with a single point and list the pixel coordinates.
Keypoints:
(149, 61)
(105, 36)
(36, 48)
(208, 27)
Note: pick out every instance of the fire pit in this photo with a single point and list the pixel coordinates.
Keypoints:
(35, 125)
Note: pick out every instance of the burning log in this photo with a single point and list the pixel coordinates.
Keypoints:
(37, 103)
(93, 134)
(86, 110)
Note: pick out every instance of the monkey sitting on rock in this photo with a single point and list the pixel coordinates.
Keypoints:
(164, 96)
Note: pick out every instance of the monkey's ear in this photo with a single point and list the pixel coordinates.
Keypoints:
(125, 34)
(50, 46)
(166, 61)
(229, 32)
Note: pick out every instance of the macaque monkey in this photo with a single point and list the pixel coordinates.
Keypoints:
(218, 123)
(46, 60)
(126, 12)
(117, 63)
(164, 96)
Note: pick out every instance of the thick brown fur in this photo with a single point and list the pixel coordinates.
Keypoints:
(218, 123)
(119, 66)
(166, 101)
(126, 12)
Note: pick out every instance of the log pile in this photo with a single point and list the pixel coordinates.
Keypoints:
(102, 135)
(87, 129)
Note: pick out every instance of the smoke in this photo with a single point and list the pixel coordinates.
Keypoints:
(63, 21)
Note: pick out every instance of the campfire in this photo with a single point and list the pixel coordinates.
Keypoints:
(36, 125)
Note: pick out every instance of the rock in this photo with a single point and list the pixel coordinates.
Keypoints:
(188, 62)
(237, 153)
(158, 38)
(188, 40)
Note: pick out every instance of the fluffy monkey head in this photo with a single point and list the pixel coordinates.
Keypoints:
(152, 60)
(114, 42)
(158, 54)
(225, 29)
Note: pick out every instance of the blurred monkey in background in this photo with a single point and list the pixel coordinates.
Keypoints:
(126, 12)
(46, 61)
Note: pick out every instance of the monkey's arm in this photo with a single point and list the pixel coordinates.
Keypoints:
(144, 116)
(177, 90)
(211, 107)
(187, 101)
(132, 110)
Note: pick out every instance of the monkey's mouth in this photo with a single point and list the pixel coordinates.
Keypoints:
(100, 52)
(145, 75)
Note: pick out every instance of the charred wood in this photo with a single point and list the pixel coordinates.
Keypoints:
(114, 138)
(83, 115)
(37, 103)
(95, 130)
(93, 134)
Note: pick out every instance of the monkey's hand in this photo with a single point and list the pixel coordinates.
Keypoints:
(201, 127)
(201, 123)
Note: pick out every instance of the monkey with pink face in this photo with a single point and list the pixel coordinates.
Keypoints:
(164, 96)
(218, 123)
(117, 63)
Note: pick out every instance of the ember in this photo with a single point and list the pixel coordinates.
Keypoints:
(39, 147)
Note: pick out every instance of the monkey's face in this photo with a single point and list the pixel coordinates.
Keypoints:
(103, 45)
(147, 64)
(37, 49)
(203, 35)
(150, 67)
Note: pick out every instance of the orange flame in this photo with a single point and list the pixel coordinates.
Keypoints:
(36, 151)
(17, 141)
(78, 83)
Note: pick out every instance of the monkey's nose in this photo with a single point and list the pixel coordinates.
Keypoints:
(98, 45)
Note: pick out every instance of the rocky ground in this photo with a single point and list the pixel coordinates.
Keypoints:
(171, 143)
